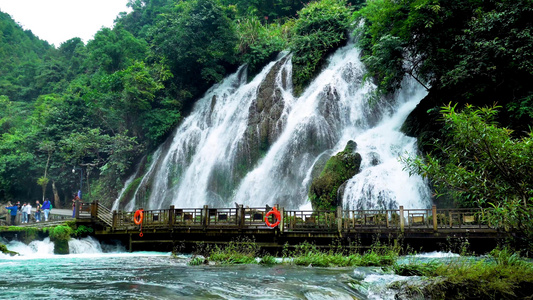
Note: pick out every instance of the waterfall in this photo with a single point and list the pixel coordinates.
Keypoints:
(256, 143)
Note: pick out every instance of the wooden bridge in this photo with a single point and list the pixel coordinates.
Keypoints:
(166, 229)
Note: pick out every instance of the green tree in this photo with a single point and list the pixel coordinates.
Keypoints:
(197, 41)
(115, 49)
(479, 162)
(322, 27)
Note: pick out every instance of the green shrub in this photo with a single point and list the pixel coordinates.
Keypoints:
(60, 233)
(82, 230)
(322, 27)
(259, 43)
(268, 260)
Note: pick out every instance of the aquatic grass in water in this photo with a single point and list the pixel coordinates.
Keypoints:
(241, 251)
(503, 275)
(309, 255)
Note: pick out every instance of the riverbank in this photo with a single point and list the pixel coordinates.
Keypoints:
(501, 274)
(382, 272)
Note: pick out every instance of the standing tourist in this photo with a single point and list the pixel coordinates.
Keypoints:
(13, 212)
(37, 211)
(24, 214)
(46, 209)
(27, 211)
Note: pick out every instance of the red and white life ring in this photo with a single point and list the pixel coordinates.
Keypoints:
(138, 217)
(276, 214)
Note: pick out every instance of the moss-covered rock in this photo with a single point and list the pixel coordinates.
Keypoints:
(4, 250)
(338, 169)
(60, 235)
(61, 247)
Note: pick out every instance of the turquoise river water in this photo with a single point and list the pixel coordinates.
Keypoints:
(94, 271)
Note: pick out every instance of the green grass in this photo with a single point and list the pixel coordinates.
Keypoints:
(306, 254)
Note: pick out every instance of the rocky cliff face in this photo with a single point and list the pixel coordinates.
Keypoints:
(264, 126)
(265, 121)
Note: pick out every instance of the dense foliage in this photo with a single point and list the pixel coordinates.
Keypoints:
(84, 114)
(471, 54)
(465, 51)
(481, 164)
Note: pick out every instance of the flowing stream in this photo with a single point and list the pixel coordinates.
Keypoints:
(94, 271)
(255, 143)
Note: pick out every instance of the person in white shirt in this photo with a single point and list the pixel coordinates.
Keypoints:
(26, 212)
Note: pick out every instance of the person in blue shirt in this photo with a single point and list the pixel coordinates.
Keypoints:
(13, 209)
(46, 208)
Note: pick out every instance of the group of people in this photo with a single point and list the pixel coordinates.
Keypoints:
(26, 210)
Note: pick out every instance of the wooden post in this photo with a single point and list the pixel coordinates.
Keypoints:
(241, 216)
(282, 221)
(171, 216)
(339, 219)
(93, 209)
(434, 213)
(205, 216)
(96, 209)
(77, 209)
(451, 218)
(402, 220)
(115, 219)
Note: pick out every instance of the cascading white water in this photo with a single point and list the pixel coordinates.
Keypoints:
(383, 183)
(126, 184)
(203, 161)
(45, 248)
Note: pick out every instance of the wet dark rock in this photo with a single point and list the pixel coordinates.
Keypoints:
(375, 159)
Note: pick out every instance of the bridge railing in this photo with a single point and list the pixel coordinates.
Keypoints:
(295, 220)
(310, 220)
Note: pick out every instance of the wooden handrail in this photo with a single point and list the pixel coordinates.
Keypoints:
(339, 220)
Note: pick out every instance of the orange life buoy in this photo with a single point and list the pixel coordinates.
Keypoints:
(276, 214)
(138, 217)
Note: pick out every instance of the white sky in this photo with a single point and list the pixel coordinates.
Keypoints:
(57, 21)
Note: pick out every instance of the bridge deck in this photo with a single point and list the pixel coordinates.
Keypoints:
(165, 228)
(221, 225)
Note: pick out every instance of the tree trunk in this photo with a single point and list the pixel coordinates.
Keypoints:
(56, 195)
